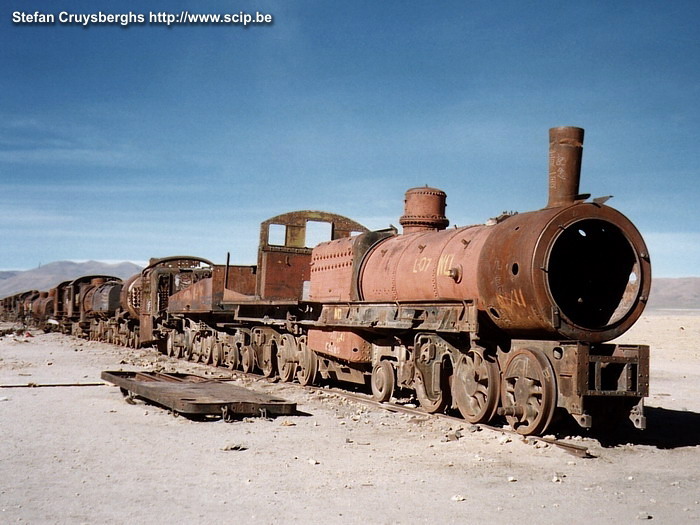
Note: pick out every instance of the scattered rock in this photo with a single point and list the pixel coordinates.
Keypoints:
(512, 479)
(453, 436)
(313, 462)
(237, 447)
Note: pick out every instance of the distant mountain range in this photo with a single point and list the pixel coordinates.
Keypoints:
(682, 292)
(49, 275)
(665, 292)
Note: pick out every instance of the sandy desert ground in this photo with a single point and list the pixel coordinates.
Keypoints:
(83, 455)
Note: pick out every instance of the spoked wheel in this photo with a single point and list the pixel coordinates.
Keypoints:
(528, 392)
(308, 364)
(247, 359)
(285, 355)
(206, 350)
(174, 345)
(232, 355)
(197, 347)
(432, 402)
(269, 360)
(383, 381)
(217, 352)
(475, 387)
(187, 350)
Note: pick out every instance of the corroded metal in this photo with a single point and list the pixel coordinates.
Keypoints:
(342, 344)
(161, 279)
(565, 152)
(510, 316)
(575, 272)
(424, 209)
(199, 396)
(284, 264)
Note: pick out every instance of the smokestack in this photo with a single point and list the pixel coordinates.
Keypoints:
(565, 150)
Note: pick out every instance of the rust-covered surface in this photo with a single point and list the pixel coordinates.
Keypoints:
(574, 270)
(342, 344)
(75, 291)
(130, 296)
(102, 299)
(565, 153)
(195, 395)
(208, 294)
(163, 278)
(332, 270)
(284, 267)
(424, 209)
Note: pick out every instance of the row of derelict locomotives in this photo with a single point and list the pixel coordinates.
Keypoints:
(510, 318)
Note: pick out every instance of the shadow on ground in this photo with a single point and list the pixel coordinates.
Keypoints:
(666, 429)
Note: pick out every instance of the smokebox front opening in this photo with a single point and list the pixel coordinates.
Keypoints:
(593, 274)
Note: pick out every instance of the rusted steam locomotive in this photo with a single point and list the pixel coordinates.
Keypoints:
(510, 317)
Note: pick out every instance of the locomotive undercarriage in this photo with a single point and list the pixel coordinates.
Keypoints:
(527, 382)
(431, 350)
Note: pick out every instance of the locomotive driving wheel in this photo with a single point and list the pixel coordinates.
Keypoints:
(432, 402)
(187, 350)
(207, 344)
(475, 386)
(247, 359)
(383, 381)
(528, 392)
(232, 355)
(269, 360)
(285, 358)
(217, 352)
(308, 364)
(174, 345)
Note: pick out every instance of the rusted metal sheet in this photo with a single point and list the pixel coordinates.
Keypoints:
(335, 266)
(439, 317)
(195, 395)
(284, 267)
(284, 272)
(332, 270)
(341, 344)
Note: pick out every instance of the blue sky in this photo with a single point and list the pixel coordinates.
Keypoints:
(123, 144)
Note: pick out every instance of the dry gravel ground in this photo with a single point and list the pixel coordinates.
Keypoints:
(83, 455)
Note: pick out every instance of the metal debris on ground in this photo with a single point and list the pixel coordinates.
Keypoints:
(198, 396)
